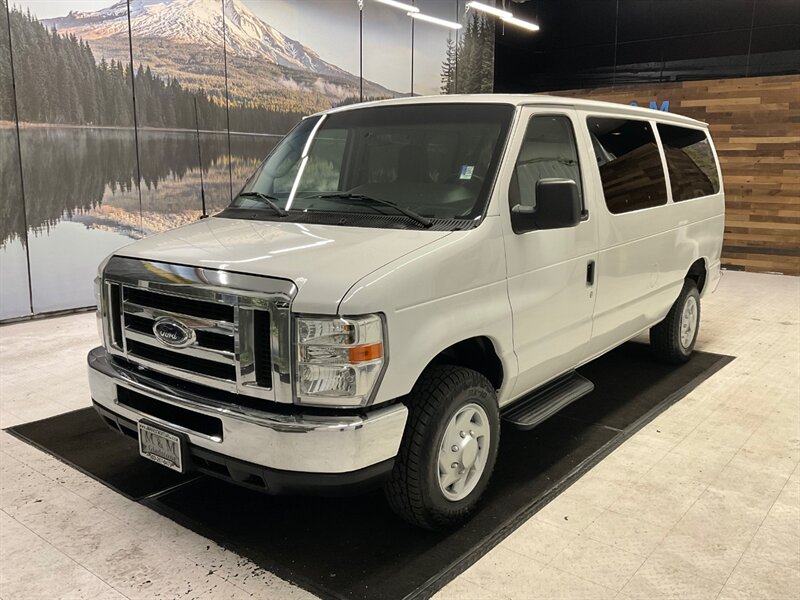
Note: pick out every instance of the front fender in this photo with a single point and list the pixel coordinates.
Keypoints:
(437, 296)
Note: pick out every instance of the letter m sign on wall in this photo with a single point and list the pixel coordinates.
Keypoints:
(654, 105)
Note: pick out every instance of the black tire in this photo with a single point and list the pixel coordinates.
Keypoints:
(413, 489)
(665, 338)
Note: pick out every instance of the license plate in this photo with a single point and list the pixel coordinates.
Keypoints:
(160, 446)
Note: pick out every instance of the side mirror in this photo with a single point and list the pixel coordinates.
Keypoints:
(558, 205)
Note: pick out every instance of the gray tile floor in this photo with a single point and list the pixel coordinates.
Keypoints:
(704, 502)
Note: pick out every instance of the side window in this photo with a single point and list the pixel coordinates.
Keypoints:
(690, 162)
(629, 162)
(548, 152)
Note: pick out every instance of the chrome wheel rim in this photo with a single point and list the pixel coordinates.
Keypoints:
(463, 451)
(688, 321)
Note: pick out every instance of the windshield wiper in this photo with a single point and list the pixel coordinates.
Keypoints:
(564, 161)
(424, 221)
(266, 199)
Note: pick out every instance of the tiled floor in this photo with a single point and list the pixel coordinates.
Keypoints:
(704, 502)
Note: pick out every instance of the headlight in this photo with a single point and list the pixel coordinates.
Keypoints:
(339, 360)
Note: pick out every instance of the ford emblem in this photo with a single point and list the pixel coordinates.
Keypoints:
(173, 333)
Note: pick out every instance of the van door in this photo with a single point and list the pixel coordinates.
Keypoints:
(551, 273)
(641, 235)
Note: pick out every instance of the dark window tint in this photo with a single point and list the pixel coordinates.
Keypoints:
(548, 152)
(690, 162)
(629, 162)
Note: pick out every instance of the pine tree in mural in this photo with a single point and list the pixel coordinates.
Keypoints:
(449, 67)
(6, 89)
(486, 56)
(468, 67)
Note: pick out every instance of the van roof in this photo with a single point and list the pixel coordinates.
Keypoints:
(531, 100)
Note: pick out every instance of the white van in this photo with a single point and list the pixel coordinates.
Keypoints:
(399, 276)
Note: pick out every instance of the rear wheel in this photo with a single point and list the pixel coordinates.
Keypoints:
(673, 339)
(448, 449)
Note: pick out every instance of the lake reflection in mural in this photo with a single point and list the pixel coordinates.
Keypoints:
(83, 202)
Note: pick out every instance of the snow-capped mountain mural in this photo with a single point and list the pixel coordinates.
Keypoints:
(183, 39)
(197, 22)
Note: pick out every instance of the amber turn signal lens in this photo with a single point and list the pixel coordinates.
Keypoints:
(365, 353)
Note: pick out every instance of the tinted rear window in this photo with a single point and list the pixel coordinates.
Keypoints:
(690, 162)
(629, 162)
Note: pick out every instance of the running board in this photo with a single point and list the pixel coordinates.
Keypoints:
(546, 401)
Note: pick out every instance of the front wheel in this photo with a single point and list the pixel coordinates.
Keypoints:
(448, 449)
(673, 339)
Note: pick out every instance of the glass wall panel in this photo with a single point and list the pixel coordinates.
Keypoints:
(77, 145)
(179, 64)
(303, 59)
(435, 48)
(14, 298)
(387, 51)
(448, 61)
(475, 52)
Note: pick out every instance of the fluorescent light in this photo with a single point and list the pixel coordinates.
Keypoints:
(503, 14)
(521, 23)
(400, 5)
(434, 20)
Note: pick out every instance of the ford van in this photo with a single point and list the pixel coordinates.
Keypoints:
(396, 279)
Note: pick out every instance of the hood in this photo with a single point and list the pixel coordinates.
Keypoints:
(324, 261)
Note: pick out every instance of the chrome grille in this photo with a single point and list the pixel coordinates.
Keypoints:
(239, 324)
(141, 309)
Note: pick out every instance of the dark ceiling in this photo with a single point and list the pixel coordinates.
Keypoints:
(591, 43)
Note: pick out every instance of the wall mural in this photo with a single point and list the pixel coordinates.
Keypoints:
(136, 114)
(14, 291)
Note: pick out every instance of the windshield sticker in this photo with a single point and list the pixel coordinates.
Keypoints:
(466, 171)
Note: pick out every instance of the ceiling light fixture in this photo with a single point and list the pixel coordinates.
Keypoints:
(434, 20)
(401, 5)
(503, 14)
(521, 23)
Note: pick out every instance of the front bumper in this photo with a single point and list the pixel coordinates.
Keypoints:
(290, 441)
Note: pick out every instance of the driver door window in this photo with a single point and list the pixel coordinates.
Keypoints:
(548, 151)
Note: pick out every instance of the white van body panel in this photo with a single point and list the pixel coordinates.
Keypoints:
(439, 295)
(550, 299)
(322, 260)
(645, 255)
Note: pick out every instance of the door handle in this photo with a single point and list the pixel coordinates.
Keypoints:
(590, 273)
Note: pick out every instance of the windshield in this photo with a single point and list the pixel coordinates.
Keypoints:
(416, 165)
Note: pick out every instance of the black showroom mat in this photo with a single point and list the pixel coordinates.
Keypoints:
(82, 440)
(355, 547)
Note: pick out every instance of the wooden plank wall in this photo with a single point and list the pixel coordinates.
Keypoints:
(755, 123)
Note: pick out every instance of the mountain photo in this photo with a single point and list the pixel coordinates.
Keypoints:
(183, 40)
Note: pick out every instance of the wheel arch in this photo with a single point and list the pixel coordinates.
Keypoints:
(698, 272)
(477, 353)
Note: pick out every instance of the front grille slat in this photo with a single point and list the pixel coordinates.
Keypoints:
(261, 349)
(114, 301)
(223, 328)
(184, 362)
(219, 356)
(205, 338)
(180, 304)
